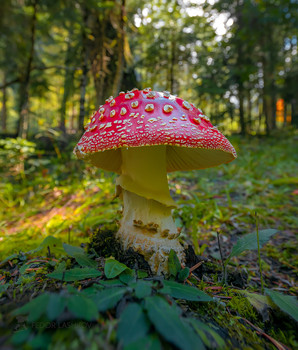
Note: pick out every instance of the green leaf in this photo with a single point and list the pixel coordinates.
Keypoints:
(133, 324)
(285, 181)
(84, 261)
(183, 274)
(82, 307)
(143, 289)
(167, 322)
(61, 267)
(11, 257)
(150, 342)
(56, 306)
(91, 291)
(113, 268)
(213, 340)
(40, 341)
(111, 283)
(287, 303)
(181, 291)
(108, 298)
(75, 274)
(51, 242)
(26, 266)
(142, 274)
(173, 263)
(249, 242)
(34, 308)
(19, 337)
(72, 250)
(128, 276)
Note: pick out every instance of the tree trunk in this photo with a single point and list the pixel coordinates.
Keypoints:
(68, 79)
(240, 64)
(249, 111)
(285, 113)
(120, 63)
(83, 85)
(172, 63)
(294, 112)
(23, 125)
(99, 58)
(241, 107)
(4, 109)
(83, 81)
(266, 97)
(260, 112)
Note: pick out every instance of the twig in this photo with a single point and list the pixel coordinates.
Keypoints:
(187, 281)
(195, 266)
(2, 277)
(195, 277)
(5, 85)
(278, 345)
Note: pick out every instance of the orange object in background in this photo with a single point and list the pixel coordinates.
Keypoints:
(280, 106)
(280, 112)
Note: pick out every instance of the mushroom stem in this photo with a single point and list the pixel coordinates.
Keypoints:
(144, 172)
(147, 224)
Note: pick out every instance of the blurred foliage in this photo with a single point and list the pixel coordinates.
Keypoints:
(59, 61)
(69, 199)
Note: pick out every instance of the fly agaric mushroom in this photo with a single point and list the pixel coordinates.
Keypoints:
(142, 135)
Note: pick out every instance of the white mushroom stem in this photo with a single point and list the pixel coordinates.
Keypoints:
(147, 224)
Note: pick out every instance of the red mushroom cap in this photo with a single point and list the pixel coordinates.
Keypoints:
(149, 118)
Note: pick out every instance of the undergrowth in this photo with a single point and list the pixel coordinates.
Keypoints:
(43, 300)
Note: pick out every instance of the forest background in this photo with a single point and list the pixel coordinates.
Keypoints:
(59, 60)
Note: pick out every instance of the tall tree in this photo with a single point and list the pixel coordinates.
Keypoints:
(4, 106)
(120, 50)
(23, 125)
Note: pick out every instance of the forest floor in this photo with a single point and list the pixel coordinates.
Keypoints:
(58, 291)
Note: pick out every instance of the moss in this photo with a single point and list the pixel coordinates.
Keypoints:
(104, 243)
(243, 308)
(236, 333)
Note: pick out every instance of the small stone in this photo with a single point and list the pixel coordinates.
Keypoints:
(134, 104)
(112, 114)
